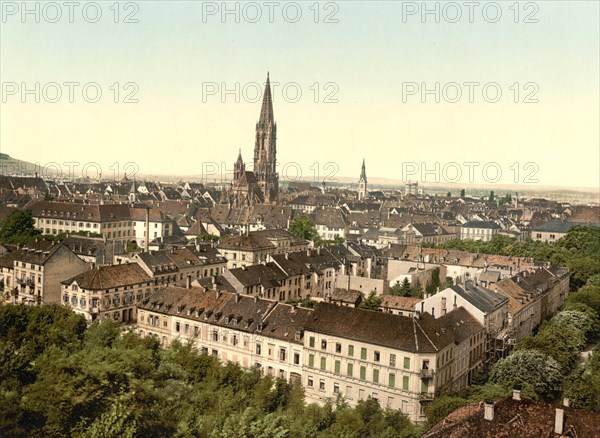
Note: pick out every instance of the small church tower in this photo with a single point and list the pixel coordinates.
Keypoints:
(133, 194)
(362, 183)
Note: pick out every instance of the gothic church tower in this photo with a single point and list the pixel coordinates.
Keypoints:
(265, 149)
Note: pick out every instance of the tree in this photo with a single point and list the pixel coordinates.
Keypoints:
(208, 238)
(492, 196)
(534, 371)
(462, 193)
(304, 228)
(506, 199)
(416, 289)
(372, 302)
(18, 228)
(405, 287)
(448, 195)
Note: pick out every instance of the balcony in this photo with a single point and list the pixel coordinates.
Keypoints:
(426, 373)
(426, 396)
(29, 282)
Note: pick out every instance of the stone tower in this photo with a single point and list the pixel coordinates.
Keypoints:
(362, 183)
(238, 167)
(265, 149)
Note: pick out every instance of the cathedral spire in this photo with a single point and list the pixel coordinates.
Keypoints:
(266, 112)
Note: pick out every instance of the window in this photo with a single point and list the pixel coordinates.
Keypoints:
(323, 363)
(337, 366)
(323, 344)
(296, 358)
(376, 356)
(376, 376)
(405, 383)
(311, 360)
(363, 353)
(363, 373)
(407, 363)
(177, 327)
(321, 385)
(215, 336)
(351, 350)
(350, 370)
(338, 347)
(336, 388)
(258, 348)
(391, 380)
(393, 360)
(282, 354)
(309, 382)
(311, 342)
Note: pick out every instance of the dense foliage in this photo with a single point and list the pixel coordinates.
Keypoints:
(18, 228)
(304, 228)
(549, 365)
(59, 378)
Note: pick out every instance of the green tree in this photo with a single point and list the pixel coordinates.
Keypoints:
(18, 228)
(303, 227)
(449, 195)
(462, 193)
(208, 238)
(492, 196)
(405, 287)
(372, 302)
(531, 369)
(416, 289)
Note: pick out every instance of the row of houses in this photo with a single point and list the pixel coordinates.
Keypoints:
(332, 350)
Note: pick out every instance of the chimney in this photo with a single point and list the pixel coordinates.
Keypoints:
(218, 293)
(488, 410)
(287, 255)
(147, 243)
(517, 392)
(308, 252)
(559, 421)
(566, 402)
(237, 297)
(188, 283)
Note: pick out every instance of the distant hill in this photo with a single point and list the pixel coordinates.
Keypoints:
(13, 166)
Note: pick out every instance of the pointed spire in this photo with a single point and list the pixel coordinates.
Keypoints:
(239, 158)
(363, 172)
(266, 112)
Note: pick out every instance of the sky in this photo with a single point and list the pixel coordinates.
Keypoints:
(498, 92)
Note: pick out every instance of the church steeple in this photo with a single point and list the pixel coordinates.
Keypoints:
(362, 183)
(238, 167)
(363, 173)
(265, 148)
(266, 112)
